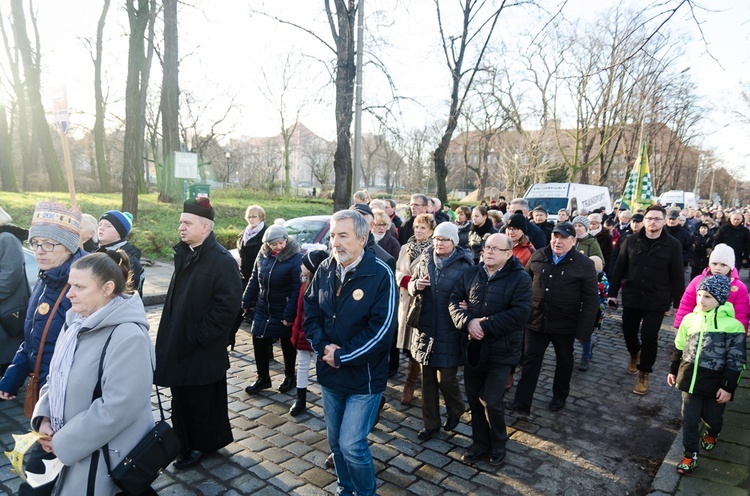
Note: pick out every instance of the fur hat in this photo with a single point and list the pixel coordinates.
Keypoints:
(121, 221)
(717, 286)
(313, 259)
(597, 263)
(722, 254)
(275, 233)
(447, 230)
(55, 221)
(201, 207)
(583, 220)
(518, 221)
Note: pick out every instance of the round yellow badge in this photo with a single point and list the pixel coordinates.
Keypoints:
(734, 289)
(358, 294)
(43, 308)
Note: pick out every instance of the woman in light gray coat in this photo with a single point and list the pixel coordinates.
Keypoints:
(77, 427)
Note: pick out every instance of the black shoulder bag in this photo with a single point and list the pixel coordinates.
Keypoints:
(135, 473)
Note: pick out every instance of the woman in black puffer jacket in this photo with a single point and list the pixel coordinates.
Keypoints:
(272, 295)
(436, 274)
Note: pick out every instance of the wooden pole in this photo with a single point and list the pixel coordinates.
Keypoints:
(68, 167)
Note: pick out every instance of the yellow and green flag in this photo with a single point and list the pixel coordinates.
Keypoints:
(639, 190)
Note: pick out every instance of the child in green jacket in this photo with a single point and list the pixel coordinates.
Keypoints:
(707, 363)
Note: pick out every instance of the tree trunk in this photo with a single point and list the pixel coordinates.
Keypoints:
(31, 69)
(138, 17)
(170, 96)
(7, 174)
(101, 160)
(345, 72)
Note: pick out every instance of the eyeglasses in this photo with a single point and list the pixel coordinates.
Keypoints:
(492, 249)
(653, 219)
(442, 240)
(46, 247)
(381, 226)
(511, 229)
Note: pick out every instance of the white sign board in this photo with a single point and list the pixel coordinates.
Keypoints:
(186, 165)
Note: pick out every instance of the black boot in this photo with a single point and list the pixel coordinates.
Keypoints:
(300, 405)
(289, 382)
(259, 384)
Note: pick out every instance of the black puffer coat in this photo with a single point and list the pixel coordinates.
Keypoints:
(566, 297)
(273, 290)
(435, 319)
(504, 301)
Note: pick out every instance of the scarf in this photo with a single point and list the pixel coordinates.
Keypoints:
(62, 361)
(415, 248)
(485, 228)
(583, 236)
(465, 226)
(250, 232)
(441, 262)
(594, 232)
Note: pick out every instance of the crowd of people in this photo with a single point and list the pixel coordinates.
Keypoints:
(485, 288)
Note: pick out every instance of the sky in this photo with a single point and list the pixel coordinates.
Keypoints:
(225, 49)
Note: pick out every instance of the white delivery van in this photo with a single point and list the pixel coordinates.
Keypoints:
(682, 199)
(571, 196)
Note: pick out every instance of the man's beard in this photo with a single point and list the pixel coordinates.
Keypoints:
(342, 257)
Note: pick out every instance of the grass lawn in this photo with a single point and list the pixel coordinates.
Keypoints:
(155, 230)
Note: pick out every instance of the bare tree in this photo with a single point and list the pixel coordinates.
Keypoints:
(169, 190)
(7, 174)
(99, 102)
(32, 72)
(319, 156)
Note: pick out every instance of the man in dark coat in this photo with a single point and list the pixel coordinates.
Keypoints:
(737, 237)
(535, 235)
(564, 308)
(681, 234)
(491, 303)
(191, 344)
(350, 319)
(419, 205)
(650, 270)
(540, 220)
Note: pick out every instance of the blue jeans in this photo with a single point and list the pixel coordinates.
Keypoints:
(349, 419)
(587, 349)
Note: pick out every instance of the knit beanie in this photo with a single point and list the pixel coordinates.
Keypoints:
(722, 254)
(447, 230)
(121, 221)
(518, 221)
(717, 286)
(55, 221)
(275, 233)
(201, 207)
(313, 259)
(583, 220)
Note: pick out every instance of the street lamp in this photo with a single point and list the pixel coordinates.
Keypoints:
(227, 174)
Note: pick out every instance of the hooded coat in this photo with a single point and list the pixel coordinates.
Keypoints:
(122, 415)
(273, 290)
(43, 297)
(14, 291)
(435, 318)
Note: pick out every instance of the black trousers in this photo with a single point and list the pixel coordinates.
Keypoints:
(534, 346)
(200, 416)
(694, 410)
(485, 391)
(648, 322)
(263, 351)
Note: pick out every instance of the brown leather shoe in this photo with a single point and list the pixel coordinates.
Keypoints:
(633, 363)
(641, 387)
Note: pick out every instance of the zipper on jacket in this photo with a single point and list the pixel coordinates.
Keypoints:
(697, 353)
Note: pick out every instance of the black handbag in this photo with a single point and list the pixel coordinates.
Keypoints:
(13, 321)
(415, 310)
(156, 450)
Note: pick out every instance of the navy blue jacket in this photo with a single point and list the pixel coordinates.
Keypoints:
(435, 319)
(51, 282)
(273, 290)
(360, 317)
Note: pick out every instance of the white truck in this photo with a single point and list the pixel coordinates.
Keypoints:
(681, 199)
(574, 197)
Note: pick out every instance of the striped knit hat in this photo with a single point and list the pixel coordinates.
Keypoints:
(55, 221)
(121, 221)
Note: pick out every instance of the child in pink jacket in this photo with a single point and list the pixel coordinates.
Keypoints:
(721, 262)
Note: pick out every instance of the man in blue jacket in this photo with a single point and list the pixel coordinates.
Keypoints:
(350, 319)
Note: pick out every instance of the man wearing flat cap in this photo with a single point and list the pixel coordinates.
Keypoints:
(191, 344)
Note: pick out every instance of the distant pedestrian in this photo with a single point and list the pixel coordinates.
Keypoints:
(736, 236)
(481, 228)
(707, 363)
